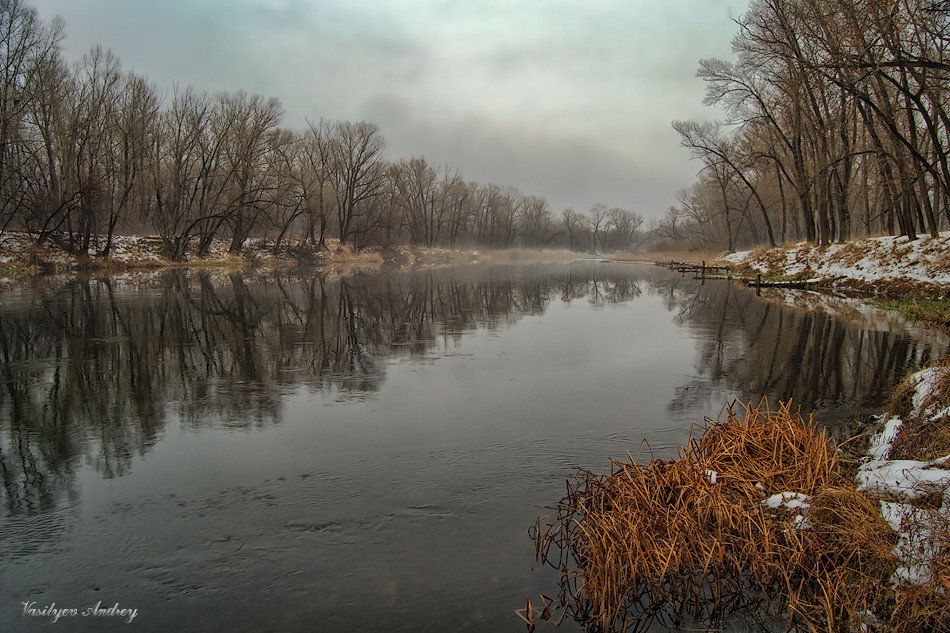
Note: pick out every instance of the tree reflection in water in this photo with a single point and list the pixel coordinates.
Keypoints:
(840, 357)
(93, 369)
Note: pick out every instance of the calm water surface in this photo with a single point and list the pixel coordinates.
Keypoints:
(284, 452)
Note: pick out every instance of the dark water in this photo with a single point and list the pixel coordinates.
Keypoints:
(281, 452)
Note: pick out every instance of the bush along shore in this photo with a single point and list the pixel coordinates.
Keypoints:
(764, 516)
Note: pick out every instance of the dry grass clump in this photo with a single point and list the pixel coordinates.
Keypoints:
(674, 540)
(941, 566)
(840, 567)
(739, 270)
(939, 260)
(775, 260)
(775, 450)
(926, 607)
(851, 253)
(900, 403)
(923, 441)
(923, 436)
(804, 274)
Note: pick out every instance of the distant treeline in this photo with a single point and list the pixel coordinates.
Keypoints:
(836, 126)
(88, 151)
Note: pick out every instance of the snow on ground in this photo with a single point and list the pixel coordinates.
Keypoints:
(796, 502)
(790, 500)
(20, 250)
(916, 544)
(902, 486)
(925, 260)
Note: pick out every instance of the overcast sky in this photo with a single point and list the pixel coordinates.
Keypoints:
(567, 99)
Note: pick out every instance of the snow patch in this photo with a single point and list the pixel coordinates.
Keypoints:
(904, 479)
(916, 545)
(796, 502)
(928, 381)
(869, 260)
(900, 484)
(790, 500)
(883, 442)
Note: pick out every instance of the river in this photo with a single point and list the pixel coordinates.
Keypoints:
(288, 451)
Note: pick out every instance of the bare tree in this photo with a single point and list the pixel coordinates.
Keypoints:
(189, 177)
(252, 119)
(28, 47)
(358, 174)
(316, 178)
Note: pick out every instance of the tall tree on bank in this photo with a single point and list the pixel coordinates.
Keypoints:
(357, 170)
(837, 107)
(28, 49)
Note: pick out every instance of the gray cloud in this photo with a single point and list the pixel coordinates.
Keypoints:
(571, 171)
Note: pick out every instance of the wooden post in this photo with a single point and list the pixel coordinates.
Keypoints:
(758, 284)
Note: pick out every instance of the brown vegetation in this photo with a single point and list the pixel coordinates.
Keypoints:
(922, 437)
(915, 273)
(672, 540)
(20, 256)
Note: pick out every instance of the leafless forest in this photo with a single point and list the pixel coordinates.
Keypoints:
(836, 125)
(90, 151)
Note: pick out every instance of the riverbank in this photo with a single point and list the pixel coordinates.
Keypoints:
(885, 266)
(911, 277)
(763, 515)
(21, 256)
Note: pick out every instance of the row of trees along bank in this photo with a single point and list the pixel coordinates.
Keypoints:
(836, 125)
(88, 151)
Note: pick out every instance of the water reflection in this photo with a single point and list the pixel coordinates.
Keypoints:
(839, 355)
(93, 368)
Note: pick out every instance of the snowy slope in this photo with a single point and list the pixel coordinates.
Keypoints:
(863, 263)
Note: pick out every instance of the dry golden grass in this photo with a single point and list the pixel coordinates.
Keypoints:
(851, 252)
(666, 540)
(900, 402)
(775, 260)
(926, 608)
(939, 262)
(839, 570)
(921, 437)
(923, 441)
